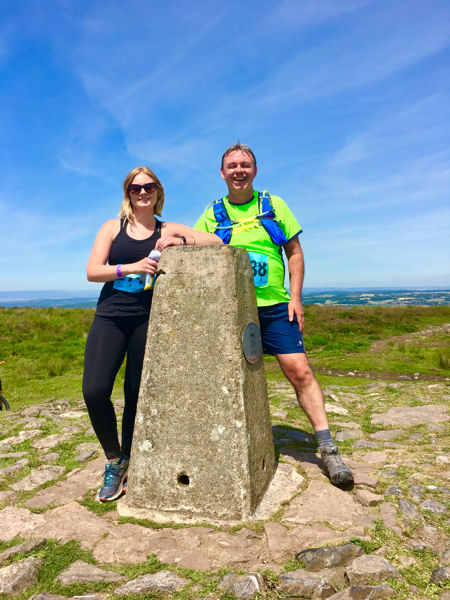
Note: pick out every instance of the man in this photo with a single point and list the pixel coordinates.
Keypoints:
(263, 225)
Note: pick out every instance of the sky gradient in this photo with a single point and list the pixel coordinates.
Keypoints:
(345, 104)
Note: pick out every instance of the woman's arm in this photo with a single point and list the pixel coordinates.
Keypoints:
(171, 235)
(98, 270)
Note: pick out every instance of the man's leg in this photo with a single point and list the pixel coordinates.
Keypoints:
(310, 397)
(309, 393)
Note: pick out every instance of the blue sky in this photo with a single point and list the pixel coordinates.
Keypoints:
(345, 103)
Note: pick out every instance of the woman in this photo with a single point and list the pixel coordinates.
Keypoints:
(119, 257)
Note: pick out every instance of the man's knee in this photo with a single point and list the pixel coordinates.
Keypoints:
(303, 375)
(297, 369)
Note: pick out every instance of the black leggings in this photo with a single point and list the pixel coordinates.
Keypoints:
(109, 339)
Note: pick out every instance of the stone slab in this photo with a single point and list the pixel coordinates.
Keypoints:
(81, 572)
(283, 543)
(163, 582)
(38, 477)
(50, 441)
(243, 587)
(74, 487)
(24, 548)
(386, 435)
(72, 522)
(307, 461)
(324, 502)
(7, 497)
(412, 415)
(363, 570)
(285, 483)
(201, 548)
(20, 437)
(16, 521)
(131, 544)
(19, 576)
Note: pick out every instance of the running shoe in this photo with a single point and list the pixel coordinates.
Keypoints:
(334, 467)
(115, 474)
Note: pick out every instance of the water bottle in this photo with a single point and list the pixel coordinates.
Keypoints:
(150, 279)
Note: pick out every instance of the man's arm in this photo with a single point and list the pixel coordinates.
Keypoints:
(296, 266)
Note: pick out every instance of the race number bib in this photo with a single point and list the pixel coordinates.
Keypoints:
(131, 283)
(260, 268)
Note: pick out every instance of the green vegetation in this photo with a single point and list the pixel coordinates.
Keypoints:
(334, 327)
(44, 347)
(44, 352)
(397, 339)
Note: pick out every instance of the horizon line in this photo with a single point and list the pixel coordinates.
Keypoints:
(418, 288)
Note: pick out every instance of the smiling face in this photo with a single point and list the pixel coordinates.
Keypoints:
(239, 171)
(143, 200)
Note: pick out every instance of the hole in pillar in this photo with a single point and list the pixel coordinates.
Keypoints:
(183, 479)
(264, 464)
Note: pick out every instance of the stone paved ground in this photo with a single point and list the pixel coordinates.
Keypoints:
(393, 435)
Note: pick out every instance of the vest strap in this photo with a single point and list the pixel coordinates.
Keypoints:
(223, 221)
(268, 220)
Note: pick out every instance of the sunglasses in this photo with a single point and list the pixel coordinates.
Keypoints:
(135, 188)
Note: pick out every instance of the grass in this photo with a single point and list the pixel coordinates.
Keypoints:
(44, 353)
(443, 358)
(343, 339)
(334, 327)
(44, 348)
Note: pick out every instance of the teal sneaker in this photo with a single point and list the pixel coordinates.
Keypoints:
(115, 473)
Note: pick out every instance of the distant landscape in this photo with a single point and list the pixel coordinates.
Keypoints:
(326, 296)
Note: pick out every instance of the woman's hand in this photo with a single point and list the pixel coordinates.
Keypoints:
(141, 267)
(169, 240)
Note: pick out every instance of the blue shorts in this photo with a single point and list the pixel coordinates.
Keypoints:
(279, 335)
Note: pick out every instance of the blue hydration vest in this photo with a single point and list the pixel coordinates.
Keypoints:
(267, 220)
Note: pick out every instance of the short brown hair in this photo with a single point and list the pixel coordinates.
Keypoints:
(242, 147)
(126, 210)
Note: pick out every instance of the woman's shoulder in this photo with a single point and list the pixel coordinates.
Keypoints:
(113, 223)
(111, 227)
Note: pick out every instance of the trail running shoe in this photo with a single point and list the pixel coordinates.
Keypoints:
(124, 484)
(115, 473)
(334, 467)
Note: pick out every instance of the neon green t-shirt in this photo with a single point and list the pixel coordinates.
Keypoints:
(265, 256)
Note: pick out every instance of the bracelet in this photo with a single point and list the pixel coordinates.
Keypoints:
(119, 271)
(184, 240)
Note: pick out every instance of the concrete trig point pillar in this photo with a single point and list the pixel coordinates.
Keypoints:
(202, 447)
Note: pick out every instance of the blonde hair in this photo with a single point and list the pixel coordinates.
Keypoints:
(126, 210)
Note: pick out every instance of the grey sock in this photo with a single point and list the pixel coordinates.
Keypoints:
(323, 437)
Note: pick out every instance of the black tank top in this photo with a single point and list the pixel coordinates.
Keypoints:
(125, 250)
